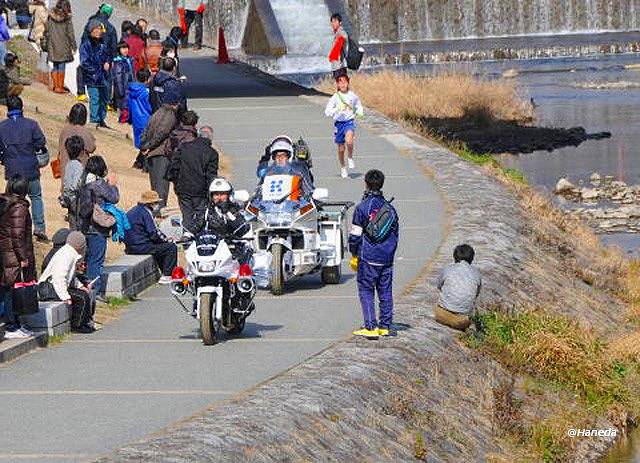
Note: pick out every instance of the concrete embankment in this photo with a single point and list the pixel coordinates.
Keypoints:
(423, 394)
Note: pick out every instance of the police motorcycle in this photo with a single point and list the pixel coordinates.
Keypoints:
(295, 232)
(219, 278)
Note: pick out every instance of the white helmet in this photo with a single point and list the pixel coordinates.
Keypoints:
(220, 185)
(281, 143)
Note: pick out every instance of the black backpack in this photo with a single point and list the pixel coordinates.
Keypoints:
(382, 224)
(354, 55)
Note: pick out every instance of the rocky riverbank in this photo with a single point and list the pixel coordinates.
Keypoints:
(606, 204)
(425, 395)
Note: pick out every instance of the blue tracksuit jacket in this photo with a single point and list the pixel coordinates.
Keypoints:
(359, 245)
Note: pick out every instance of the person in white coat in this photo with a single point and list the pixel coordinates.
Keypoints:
(59, 282)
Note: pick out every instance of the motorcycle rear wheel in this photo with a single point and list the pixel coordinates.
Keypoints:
(277, 270)
(207, 323)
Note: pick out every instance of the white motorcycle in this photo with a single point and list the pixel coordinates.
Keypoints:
(301, 237)
(222, 288)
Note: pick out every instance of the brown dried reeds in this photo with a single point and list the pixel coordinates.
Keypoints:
(400, 95)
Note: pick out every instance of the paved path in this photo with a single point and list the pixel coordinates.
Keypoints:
(147, 370)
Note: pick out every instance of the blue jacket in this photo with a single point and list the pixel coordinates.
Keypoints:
(4, 30)
(164, 85)
(122, 222)
(110, 37)
(93, 56)
(359, 245)
(121, 75)
(144, 233)
(139, 106)
(20, 139)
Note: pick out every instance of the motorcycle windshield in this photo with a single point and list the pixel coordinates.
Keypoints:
(279, 214)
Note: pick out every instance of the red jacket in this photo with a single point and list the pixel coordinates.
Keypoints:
(137, 52)
(336, 53)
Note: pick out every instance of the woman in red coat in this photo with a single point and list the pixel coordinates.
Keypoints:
(16, 250)
(137, 49)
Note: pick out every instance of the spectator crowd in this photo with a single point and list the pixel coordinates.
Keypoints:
(132, 72)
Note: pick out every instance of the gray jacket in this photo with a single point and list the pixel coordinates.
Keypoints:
(459, 286)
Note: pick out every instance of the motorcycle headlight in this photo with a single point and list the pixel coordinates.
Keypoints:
(206, 266)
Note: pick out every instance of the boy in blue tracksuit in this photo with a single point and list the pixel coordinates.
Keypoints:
(139, 105)
(373, 260)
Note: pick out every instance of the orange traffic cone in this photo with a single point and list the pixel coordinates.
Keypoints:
(223, 55)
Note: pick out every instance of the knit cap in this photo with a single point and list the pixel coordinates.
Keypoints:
(106, 9)
(95, 24)
(77, 241)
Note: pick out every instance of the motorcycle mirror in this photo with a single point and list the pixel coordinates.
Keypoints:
(241, 195)
(320, 193)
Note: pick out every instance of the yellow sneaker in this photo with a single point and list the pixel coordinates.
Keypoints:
(82, 98)
(373, 334)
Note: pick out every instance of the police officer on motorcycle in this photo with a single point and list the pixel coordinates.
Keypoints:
(223, 217)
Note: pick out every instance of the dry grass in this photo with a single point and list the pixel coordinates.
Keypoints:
(400, 95)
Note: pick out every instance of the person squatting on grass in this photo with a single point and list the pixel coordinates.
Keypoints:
(372, 257)
(459, 285)
(344, 106)
(59, 282)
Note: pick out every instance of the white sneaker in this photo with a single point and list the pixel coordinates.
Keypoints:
(165, 280)
(352, 165)
(26, 331)
(17, 334)
(343, 172)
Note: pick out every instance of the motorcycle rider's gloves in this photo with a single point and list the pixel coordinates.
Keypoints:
(353, 263)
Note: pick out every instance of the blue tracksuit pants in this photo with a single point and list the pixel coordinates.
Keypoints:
(372, 279)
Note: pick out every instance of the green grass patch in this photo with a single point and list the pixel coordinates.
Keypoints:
(515, 175)
(555, 354)
(479, 159)
(57, 339)
(558, 350)
(118, 302)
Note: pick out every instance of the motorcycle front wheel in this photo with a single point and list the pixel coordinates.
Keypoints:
(277, 270)
(207, 323)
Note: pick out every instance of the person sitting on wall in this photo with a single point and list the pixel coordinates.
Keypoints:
(144, 237)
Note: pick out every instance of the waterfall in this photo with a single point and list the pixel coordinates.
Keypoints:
(304, 25)
(404, 20)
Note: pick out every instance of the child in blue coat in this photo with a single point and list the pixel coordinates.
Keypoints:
(122, 76)
(139, 105)
(373, 258)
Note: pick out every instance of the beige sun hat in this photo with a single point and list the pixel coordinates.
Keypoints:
(149, 197)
